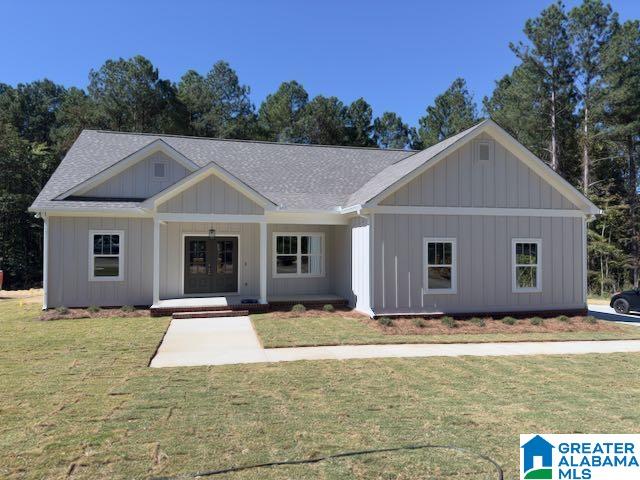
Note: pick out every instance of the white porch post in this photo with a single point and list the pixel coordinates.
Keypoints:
(263, 262)
(156, 260)
(45, 262)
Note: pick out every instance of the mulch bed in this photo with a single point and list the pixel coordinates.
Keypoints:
(312, 313)
(412, 326)
(72, 313)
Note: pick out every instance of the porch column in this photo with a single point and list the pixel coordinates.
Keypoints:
(45, 262)
(156, 260)
(263, 262)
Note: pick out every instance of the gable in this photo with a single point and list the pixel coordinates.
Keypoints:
(137, 181)
(461, 179)
(211, 195)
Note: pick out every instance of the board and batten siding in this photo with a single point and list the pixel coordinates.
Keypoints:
(461, 180)
(68, 282)
(360, 264)
(484, 263)
(137, 181)
(211, 195)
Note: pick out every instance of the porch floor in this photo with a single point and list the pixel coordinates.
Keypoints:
(199, 302)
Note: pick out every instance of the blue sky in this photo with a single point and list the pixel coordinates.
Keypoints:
(398, 55)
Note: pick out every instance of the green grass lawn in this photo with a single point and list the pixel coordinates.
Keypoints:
(309, 331)
(77, 400)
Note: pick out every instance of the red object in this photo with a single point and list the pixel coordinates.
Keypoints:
(1, 278)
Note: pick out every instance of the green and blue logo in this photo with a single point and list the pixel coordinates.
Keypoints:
(537, 459)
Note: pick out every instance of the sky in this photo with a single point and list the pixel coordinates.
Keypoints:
(398, 55)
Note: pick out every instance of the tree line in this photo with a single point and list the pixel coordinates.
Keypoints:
(573, 99)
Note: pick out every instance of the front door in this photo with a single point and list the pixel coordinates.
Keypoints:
(210, 265)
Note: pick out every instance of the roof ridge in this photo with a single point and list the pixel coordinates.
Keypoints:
(265, 142)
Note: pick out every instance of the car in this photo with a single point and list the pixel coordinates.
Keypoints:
(623, 302)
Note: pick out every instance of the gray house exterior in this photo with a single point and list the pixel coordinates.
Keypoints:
(473, 224)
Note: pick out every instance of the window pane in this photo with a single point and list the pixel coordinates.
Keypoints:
(526, 253)
(447, 254)
(287, 264)
(304, 244)
(534, 252)
(526, 277)
(439, 277)
(294, 244)
(431, 248)
(315, 244)
(311, 264)
(97, 244)
(106, 266)
(115, 244)
(198, 257)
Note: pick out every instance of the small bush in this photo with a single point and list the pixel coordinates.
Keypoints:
(591, 320)
(536, 321)
(478, 321)
(298, 308)
(563, 319)
(386, 321)
(449, 322)
(509, 321)
(62, 310)
(93, 309)
(329, 308)
(419, 322)
(128, 308)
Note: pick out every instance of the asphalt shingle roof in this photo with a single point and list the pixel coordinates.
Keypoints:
(291, 175)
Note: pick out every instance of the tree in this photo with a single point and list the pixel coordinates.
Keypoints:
(75, 113)
(621, 77)
(549, 60)
(452, 112)
(390, 132)
(129, 95)
(359, 129)
(323, 121)
(590, 27)
(217, 105)
(280, 112)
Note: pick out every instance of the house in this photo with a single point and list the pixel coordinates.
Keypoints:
(473, 224)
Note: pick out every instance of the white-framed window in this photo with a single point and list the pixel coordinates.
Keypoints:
(298, 255)
(440, 270)
(106, 254)
(484, 151)
(159, 170)
(527, 265)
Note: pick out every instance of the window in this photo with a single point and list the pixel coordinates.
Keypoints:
(526, 265)
(440, 265)
(159, 170)
(105, 255)
(298, 255)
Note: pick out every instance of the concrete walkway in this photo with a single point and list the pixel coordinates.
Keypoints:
(232, 340)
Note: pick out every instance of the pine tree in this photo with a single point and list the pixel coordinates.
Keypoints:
(390, 131)
(280, 112)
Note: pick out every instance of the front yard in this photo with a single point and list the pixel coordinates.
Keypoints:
(316, 328)
(77, 400)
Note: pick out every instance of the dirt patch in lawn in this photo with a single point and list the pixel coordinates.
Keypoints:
(74, 313)
(448, 326)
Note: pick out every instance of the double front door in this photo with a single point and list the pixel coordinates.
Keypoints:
(210, 265)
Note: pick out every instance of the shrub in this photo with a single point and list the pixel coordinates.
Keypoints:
(419, 322)
(509, 321)
(536, 321)
(591, 320)
(386, 321)
(128, 308)
(449, 322)
(61, 310)
(93, 309)
(563, 318)
(298, 308)
(329, 308)
(478, 321)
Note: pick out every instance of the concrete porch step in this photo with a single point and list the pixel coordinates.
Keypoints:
(210, 314)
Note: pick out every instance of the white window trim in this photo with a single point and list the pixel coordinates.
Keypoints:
(153, 170)
(274, 260)
(120, 277)
(425, 265)
(538, 265)
(477, 151)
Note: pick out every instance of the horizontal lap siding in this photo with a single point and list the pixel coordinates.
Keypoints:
(211, 195)
(137, 181)
(172, 254)
(68, 281)
(483, 261)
